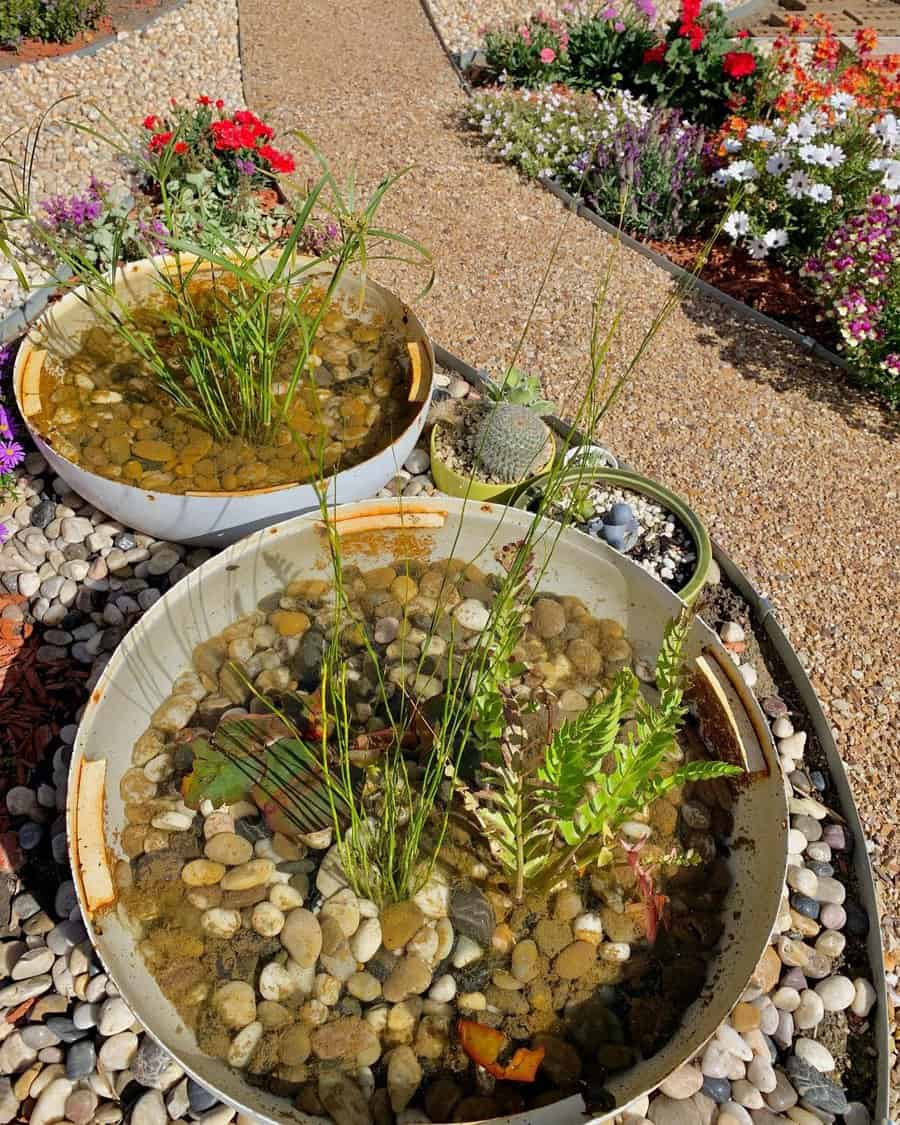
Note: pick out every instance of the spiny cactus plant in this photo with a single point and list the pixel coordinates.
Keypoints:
(511, 442)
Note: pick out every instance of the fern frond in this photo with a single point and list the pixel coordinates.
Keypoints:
(578, 747)
(670, 661)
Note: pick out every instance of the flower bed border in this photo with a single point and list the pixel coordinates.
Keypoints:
(102, 41)
(763, 614)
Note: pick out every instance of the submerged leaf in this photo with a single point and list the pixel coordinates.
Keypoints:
(213, 777)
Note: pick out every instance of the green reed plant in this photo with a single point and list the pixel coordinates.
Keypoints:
(241, 320)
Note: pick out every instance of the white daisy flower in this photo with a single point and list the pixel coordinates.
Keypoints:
(803, 129)
(760, 133)
(741, 171)
(777, 164)
(775, 239)
(811, 154)
(832, 156)
(797, 184)
(737, 224)
(757, 248)
(732, 145)
(719, 177)
(842, 102)
(819, 193)
(891, 180)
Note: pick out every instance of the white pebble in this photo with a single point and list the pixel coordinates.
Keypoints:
(786, 999)
(615, 951)
(816, 1054)
(466, 952)
(810, 1012)
(443, 989)
(837, 993)
(220, 922)
(244, 1044)
(864, 997)
(782, 727)
(750, 676)
(732, 1041)
(733, 1114)
(275, 982)
(831, 943)
(797, 842)
(172, 821)
(830, 890)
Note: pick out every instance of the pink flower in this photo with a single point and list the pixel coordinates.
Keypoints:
(525, 33)
(547, 55)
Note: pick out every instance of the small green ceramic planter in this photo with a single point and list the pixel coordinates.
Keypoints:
(458, 484)
(634, 482)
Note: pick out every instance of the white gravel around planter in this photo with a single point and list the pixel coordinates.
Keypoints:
(190, 51)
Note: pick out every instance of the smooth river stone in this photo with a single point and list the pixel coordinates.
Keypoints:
(301, 936)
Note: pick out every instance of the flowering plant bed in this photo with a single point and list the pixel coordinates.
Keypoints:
(803, 154)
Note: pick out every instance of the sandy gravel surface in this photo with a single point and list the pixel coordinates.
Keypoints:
(797, 476)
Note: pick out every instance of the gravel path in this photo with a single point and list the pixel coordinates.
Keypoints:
(794, 472)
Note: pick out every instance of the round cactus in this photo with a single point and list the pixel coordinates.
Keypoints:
(511, 442)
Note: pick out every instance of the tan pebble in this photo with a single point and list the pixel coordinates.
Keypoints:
(228, 848)
(575, 960)
(745, 1017)
(248, 875)
(202, 873)
(567, 906)
(294, 1046)
(235, 1003)
(289, 623)
(216, 822)
(267, 919)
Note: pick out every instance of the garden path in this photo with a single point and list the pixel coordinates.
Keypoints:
(794, 472)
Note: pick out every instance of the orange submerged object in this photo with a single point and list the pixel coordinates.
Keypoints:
(484, 1045)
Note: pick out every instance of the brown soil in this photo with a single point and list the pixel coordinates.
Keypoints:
(121, 15)
(765, 286)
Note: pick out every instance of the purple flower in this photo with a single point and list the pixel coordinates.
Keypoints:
(646, 8)
(245, 167)
(6, 425)
(11, 454)
(4, 533)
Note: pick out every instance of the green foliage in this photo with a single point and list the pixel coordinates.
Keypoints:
(576, 752)
(213, 777)
(600, 56)
(58, 21)
(521, 389)
(516, 814)
(533, 54)
(576, 792)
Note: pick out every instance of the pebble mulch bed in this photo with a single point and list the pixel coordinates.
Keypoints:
(190, 51)
(796, 1049)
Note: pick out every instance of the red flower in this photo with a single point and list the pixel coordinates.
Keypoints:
(180, 147)
(743, 33)
(738, 64)
(219, 103)
(655, 54)
(151, 122)
(697, 35)
(690, 9)
(203, 100)
(278, 161)
(159, 141)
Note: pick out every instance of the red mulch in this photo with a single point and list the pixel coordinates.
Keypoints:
(35, 701)
(763, 285)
